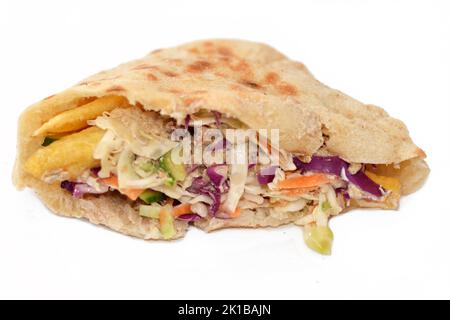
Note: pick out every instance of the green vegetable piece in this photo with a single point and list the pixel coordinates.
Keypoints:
(170, 182)
(48, 141)
(167, 227)
(319, 239)
(150, 196)
(326, 206)
(149, 167)
(150, 211)
(175, 170)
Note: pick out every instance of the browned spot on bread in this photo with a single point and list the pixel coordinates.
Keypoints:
(175, 90)
(49, 97)
(220, 74)
(199, 66)
(110, 78)
(286, 89)
(176, 62)
(225, 51)
(115, 88)
(242, 66)
(235, 87)
(194, 50)
(90, 83)
(199, 92)
(251, 84)
(225, 59)
(208, 44)
(210, 51)
(169, 73)
(139, 105)
(152, 77)
(189, 101)
(272, 77)
(145, 67)
(156, 51)
(300, 66)
(420, 153)
(142, 66)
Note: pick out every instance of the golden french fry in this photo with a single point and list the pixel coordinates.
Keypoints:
(76, 119)
(72, 154)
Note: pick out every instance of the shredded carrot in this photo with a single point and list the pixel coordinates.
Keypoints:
(236, 213)
(163, 216)
(133, 194)
(113, 181)
(303, 182)
(298, 191)
(183, 208)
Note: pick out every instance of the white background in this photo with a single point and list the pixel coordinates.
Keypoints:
(391, 53)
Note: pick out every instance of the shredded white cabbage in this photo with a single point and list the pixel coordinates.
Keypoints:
(279, 176)
(305, 220)
(174, 192)
(319, 214)
(128, 178)
(107, 148)
(200, 208)
(293, 206)
(332, 200)
(253, 198)
(237, 186)
(142, 131)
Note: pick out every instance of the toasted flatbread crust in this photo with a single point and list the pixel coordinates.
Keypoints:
(245, 80)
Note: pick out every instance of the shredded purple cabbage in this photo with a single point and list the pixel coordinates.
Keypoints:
(95, 171)
(266, 175)
(363, 182)
(330, 165)
(78, 190)
(68, 185)
(189, 217)
(221, 144)
(344, 193)
(217, 174)
(187, 120)
(203, 187)
(336, 166)
(191, 168)
(218, 116)
(226, 186)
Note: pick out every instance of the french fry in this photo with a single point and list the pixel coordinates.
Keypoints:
(72, 153)
(76, 119)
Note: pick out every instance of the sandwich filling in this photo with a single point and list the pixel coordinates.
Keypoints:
(115, 147)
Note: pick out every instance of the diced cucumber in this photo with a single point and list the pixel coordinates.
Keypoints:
(175, 170)
(150, 211)
(167, 227)
(149, 167)
(150, 196)
(170, 182)
(326, 206)
(318, 238)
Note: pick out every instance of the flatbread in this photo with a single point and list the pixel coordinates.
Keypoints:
(245, 80)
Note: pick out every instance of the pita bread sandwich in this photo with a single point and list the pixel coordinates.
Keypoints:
(164, 142)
